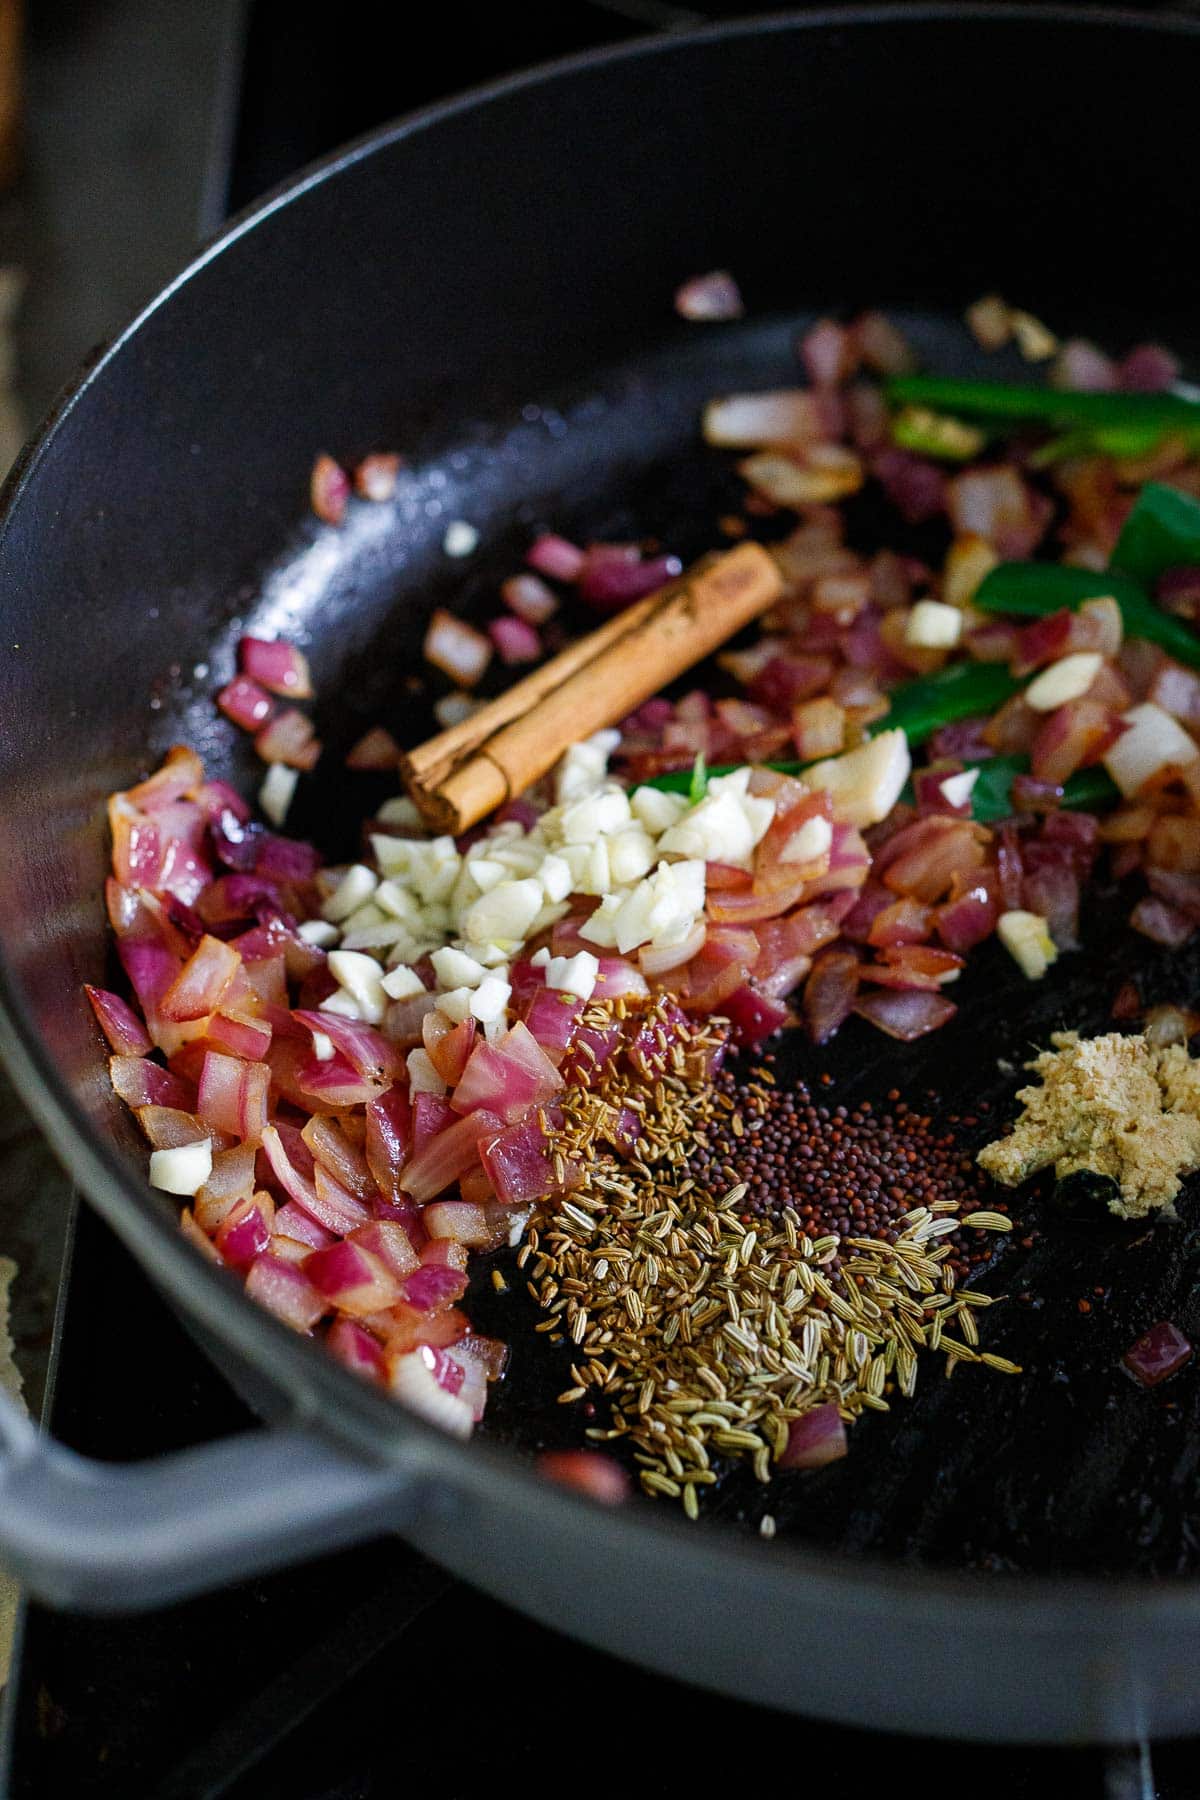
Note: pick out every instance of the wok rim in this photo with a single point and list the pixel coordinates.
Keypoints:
(324, 1395)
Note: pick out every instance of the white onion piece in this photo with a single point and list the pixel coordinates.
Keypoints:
(660, 960)
(416, 1385)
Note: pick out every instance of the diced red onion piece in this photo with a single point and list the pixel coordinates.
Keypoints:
(507, 1078)
(708, 298)
(817, 1437)
(375, 476)
(1161, 922)
(517, 1164)
(369, 1053)
(555, 556)
(516, 641)
(456, 648)
(329, 490)
(905, 1013)
(291, 1221)
(434, 1285)
(529, 598)
(388, 1140)
(245, 703)
(123, 1028)
(413, 1383)
(830, 992)
(613, 576)
(276, 665)
(1157, 1353)
(388, 1240)
(355, 1348)
(1148, 369)
(289, 738)
(142, 1083)
(357, 1282)
(552, 1019)
(286, 1291)
(448, 1155)
(753, 1015)
(1080, 366)
(377, 749)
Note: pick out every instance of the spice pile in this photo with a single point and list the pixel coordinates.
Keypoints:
(849, 1171)
(1118, 1107)
(708, 1335)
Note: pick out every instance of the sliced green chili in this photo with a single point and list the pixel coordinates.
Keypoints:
(1150, 413)
(698, 786)
(1031, 590)
(1162, 532)
(1091, 790)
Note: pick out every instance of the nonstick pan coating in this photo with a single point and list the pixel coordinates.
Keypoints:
(1071, 1465)
(480, 294)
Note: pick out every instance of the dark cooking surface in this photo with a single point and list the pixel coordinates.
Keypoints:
(1070, 1465)
(107, 1708)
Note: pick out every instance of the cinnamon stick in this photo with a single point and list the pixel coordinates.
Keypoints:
(463, 774)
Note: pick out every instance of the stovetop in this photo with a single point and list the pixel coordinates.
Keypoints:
(372, 1672)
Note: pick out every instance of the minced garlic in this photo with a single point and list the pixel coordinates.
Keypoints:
(1115, 1105)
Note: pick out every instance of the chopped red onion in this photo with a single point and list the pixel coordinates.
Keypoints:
(456, 648)
(289, 738)
(286, 1291)
(555, 556)
(329, 490)
(245, 1231)
(1148, 369)
(246, 703)
(434, 1285)
(1085, 369)
(529, 598)
(377, 749)
(142, 1083)
(277, 665)
(375, 476)
(125, 1032)
(506, 1078)
(817, 1437)
(517, 1164)
(357, 1282)
(1161, 922)
(613, 576)
(710, 298)
(906, 1013)
(1157, 1353)
(516, 641)
(449, 1154)
(588, 1472)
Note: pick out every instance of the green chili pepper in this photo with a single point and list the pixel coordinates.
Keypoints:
(1150, 413)
(1031, 590)
(1091, 790)
(960, 691)
(698, 786)
(1162, 532)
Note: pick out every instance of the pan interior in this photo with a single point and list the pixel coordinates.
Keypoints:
(1069, 1466)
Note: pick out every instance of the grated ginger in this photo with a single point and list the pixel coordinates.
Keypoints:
(1115, 1105)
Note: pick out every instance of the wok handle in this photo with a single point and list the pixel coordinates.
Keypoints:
(121, 1537)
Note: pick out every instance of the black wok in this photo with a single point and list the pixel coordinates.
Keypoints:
(487, 287)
